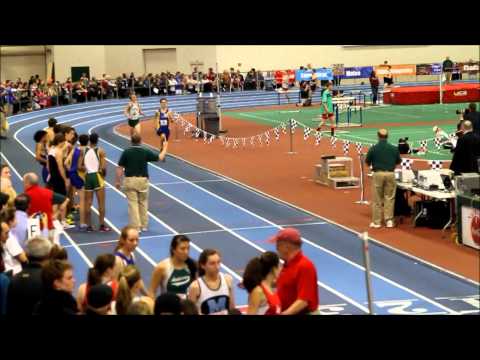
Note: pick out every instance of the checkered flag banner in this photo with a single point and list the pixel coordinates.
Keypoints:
(333, 142)
(276, 131)
(359, 147)
(284, 128)
(318, 137)
(438, 143)
(346, 147)
(306, 133)
(244, 141)
(423, 145)
(235, 143)
(293, 125)
(197, 133)
(436, 164)
(259, 137)
(187, 128)
(205, 137)
(252, 141)
(267, 138)
(210, 139)
(227, 142)
(406, 164)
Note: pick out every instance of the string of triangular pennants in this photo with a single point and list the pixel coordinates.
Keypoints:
(282, 129)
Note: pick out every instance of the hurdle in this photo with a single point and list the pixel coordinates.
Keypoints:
(349, 106)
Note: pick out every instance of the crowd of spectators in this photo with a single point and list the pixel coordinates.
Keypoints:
(23, 96)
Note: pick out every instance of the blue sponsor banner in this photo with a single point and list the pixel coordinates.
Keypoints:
(357, 72)
(436, 69)
(306, 75)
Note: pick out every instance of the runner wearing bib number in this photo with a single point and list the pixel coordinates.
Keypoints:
(163, 116)
(133, 112)
(212, 291)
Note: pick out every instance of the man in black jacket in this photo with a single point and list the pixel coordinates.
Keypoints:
(467, 152)
(26, 288)
(474, 116)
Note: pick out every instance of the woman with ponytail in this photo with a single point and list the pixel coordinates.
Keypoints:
(101, 273)
(175, 273)
(259, 279)
(130, 288)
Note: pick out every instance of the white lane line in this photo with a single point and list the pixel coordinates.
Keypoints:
(11, 166)
(379, 276)
(230, 231)
(196, 182)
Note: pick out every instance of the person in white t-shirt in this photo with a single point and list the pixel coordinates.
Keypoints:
(13, 254)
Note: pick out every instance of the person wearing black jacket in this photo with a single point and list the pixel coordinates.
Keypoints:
(58, 282)
(474, 116)
(374, 83)
(26, 288)
(467, 152)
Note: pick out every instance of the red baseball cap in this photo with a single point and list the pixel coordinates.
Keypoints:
(287, 234)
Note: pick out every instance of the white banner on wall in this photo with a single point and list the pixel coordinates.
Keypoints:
(471, 227)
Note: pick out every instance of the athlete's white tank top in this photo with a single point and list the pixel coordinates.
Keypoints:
(91, 161)
(213, 302)
(134, 111)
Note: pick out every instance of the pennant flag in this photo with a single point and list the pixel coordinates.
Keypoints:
(346, 146)
(359, 147)
(306, 133)
(252, 141)
(197, 133)
(244, 141)
(259, 137)
(235, 143)
(205, 137)
(318, 137)
(406, 164)
(293, 125)
(267, 138)
(423, 145)
(276, 131)
(436, 164)
(284, 128)
(333, 142)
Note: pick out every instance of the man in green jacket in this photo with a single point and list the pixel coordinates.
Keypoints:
(383, 157)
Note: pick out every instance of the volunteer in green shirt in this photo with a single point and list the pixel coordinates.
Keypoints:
(383, 157)
(134, 164)
(327, 109)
